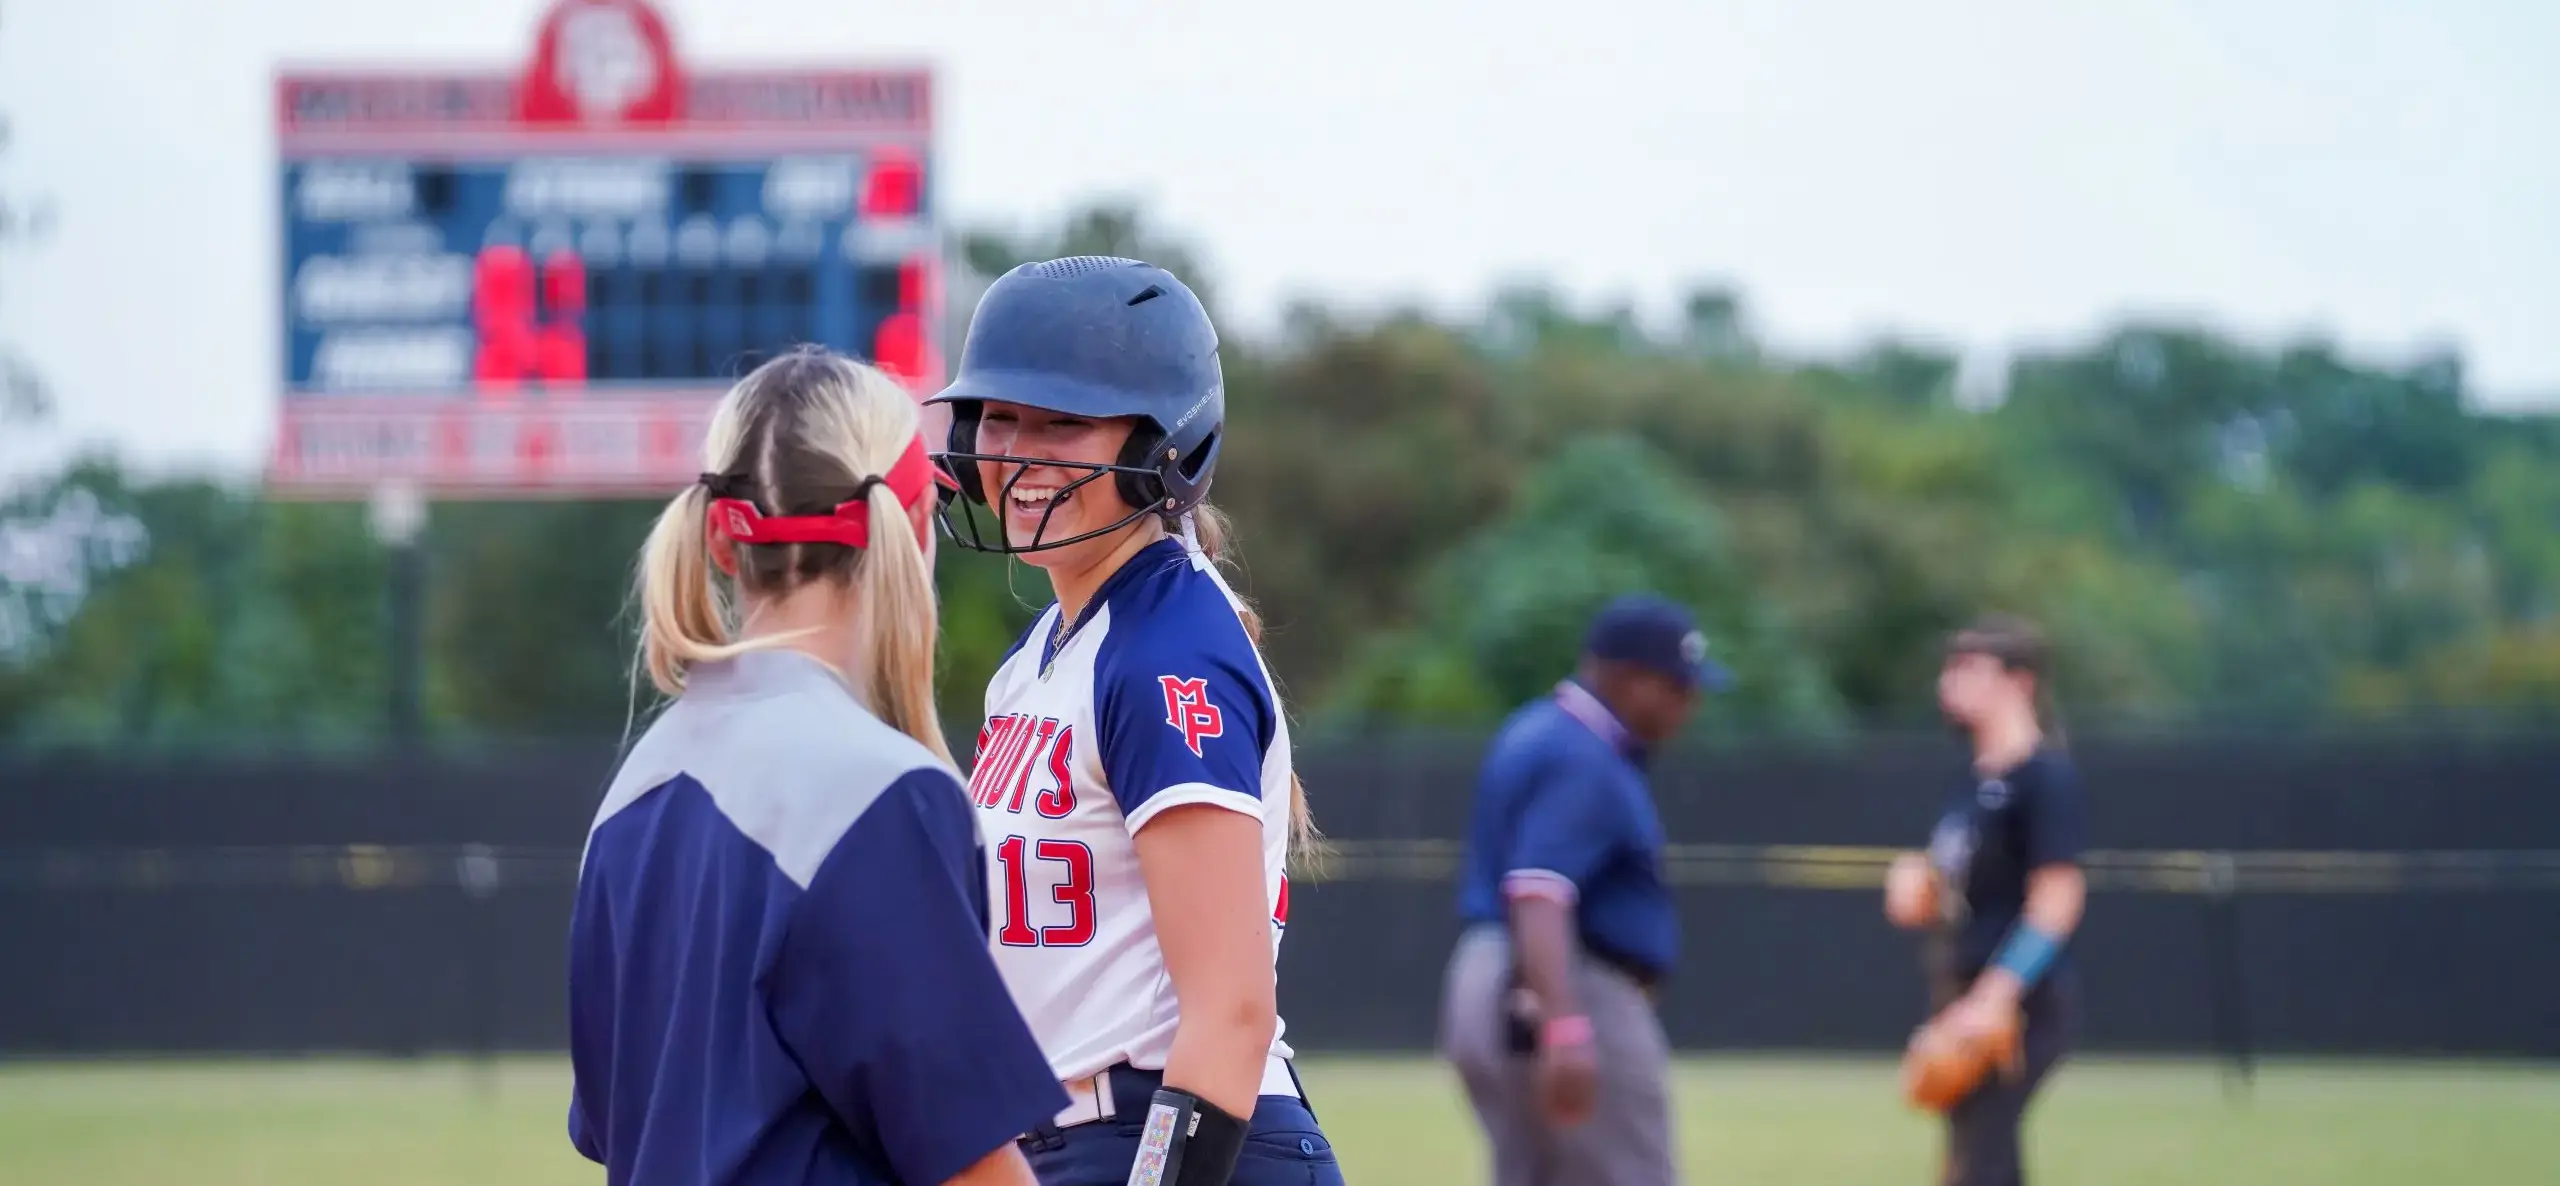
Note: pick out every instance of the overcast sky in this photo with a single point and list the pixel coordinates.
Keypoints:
(2386, 172)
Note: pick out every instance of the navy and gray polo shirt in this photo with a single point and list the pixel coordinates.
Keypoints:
(778, 964)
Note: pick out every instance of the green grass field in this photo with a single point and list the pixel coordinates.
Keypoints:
(1797, 1122)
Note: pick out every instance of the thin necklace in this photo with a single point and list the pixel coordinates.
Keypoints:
(1059, 634)
(1066, 630)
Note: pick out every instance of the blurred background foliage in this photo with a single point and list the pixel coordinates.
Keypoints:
(2219, 533)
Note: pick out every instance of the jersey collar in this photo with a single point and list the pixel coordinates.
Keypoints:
(1055, 639)
(1585, 706)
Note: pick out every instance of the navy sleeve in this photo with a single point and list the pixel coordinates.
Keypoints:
(885, 992)
(1567, 825)
(591, 974)
(1185, 718)
(580, 1136)
(2056, 828)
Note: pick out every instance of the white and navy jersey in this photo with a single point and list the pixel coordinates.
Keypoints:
(1157, 700)
(778, 968)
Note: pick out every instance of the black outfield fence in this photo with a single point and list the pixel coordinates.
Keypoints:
(2370, 897)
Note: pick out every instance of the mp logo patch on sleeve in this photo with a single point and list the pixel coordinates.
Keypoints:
(1187, 709)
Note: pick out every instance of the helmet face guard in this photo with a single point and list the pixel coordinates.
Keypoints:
(977, 523)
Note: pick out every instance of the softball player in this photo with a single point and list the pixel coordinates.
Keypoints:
(1133, 774)
(778, 969)
(2001, 890)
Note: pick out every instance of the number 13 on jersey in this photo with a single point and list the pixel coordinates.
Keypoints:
(1066, 867)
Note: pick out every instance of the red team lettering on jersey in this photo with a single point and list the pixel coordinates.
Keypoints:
(1010, 749)
(1060, 798)
(1187, 708)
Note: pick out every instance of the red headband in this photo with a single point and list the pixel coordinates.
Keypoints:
(849, 524)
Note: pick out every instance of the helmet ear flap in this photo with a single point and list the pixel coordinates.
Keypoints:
(1170, 482)
(964, 440)
(1143, 451)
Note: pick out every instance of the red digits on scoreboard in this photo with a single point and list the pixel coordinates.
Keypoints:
(564, 356)
(564, 338)
(502, 310)
(900, 346)
(895, 188)
(564, 285)
(915, 280)
(522, 337)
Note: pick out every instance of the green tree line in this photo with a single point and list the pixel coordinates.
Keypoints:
(2216, 531)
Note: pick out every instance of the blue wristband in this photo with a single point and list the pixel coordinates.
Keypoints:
(2027, 953)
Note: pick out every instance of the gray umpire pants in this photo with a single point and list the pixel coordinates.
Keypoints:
(1627, 1139)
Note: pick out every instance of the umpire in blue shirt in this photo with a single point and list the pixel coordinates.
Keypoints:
(1547, 1010)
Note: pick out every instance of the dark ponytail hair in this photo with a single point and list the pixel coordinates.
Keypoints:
(1216, 537)
(2019, 647)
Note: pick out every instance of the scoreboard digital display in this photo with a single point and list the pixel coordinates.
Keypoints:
(541, 281)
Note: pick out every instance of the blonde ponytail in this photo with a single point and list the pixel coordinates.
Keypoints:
(799, 432)
(684, 616)
(1210, 529)
(687, 616)
(895, 589)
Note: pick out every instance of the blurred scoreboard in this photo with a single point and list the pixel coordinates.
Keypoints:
(541, 280)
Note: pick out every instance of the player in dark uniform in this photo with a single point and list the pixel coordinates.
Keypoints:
(2000, 889)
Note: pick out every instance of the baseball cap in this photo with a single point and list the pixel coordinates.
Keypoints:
(1657, 633)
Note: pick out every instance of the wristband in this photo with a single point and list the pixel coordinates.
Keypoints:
(1188, 1141)
(2028, 953)
(1565, 1031)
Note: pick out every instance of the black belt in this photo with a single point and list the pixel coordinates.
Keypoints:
(1131, 1091)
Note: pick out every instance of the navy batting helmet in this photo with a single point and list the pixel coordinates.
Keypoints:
(1093, 336)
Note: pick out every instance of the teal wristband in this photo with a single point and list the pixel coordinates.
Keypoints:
(2027, 953)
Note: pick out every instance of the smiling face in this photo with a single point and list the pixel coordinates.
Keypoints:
(1070, 498)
